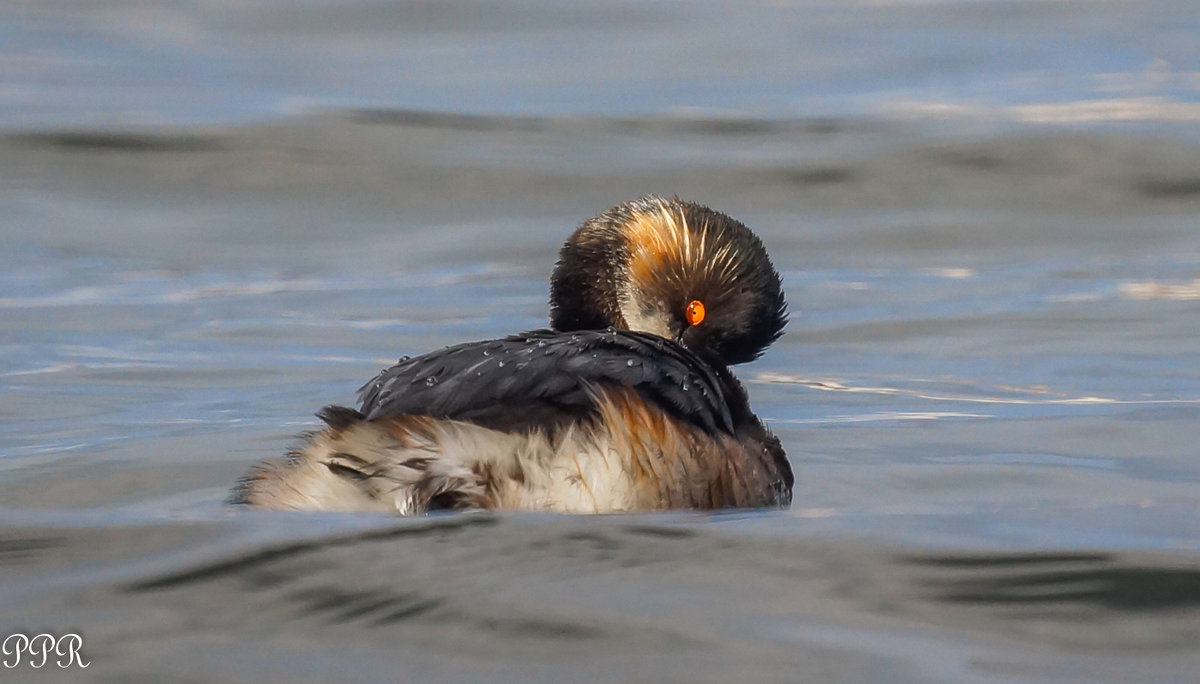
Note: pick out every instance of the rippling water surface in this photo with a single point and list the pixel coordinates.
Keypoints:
(218, 217)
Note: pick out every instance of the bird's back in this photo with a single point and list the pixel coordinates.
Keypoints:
(592, 421)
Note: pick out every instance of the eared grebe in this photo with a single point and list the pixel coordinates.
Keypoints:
(627, 404)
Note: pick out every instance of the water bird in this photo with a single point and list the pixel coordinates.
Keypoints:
(626, 403)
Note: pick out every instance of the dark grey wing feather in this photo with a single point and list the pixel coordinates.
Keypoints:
(538, 378)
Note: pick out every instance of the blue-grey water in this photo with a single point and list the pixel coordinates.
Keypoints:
(217, 217)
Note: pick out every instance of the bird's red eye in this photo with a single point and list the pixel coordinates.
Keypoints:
(694, 312)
